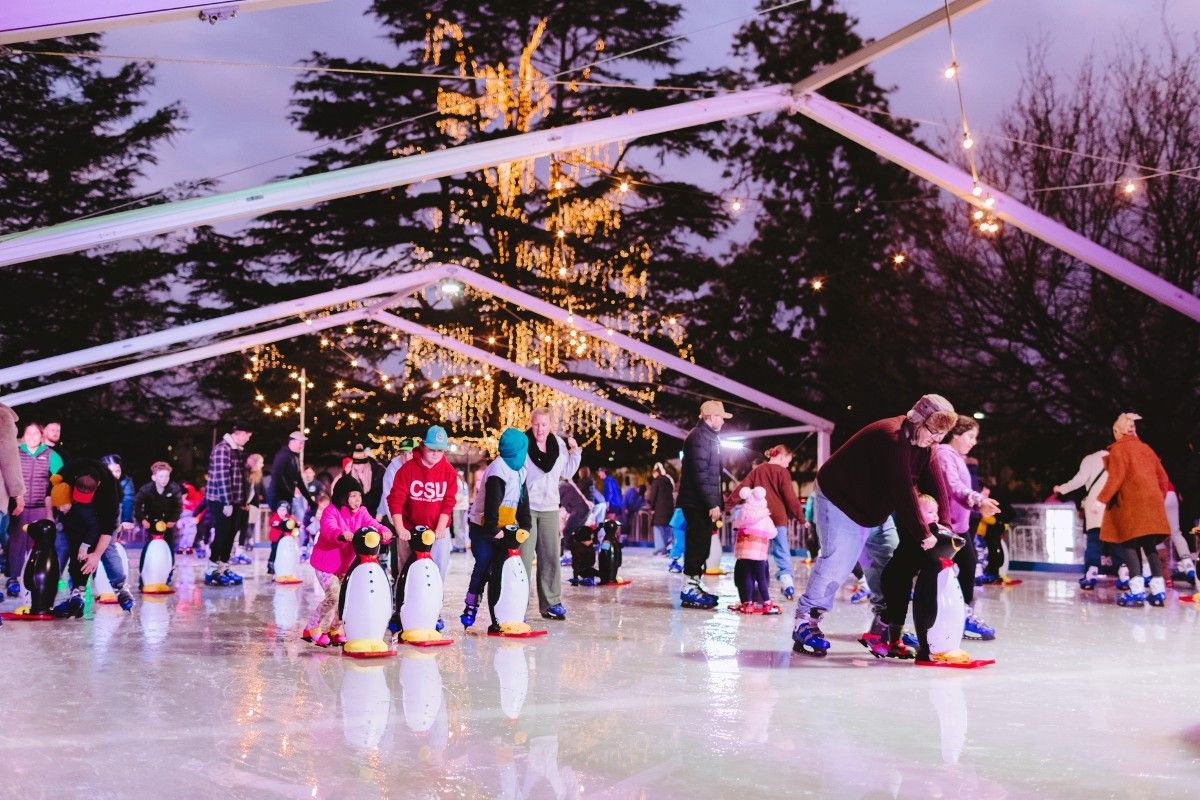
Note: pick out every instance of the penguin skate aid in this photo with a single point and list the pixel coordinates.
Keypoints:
(422, 600)
(508, 587)
(938, 605)
(871, 477)
(40, 575)
(365, 605)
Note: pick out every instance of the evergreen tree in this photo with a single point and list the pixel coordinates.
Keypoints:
(590, 230)
(814, 299)
(74, 141)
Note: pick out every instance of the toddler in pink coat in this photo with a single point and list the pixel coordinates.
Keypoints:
(755, 530)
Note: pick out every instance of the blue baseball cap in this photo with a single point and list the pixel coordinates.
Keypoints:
(436, 438)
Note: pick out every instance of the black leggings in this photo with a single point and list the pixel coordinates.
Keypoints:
(1127, 553)
(966, 559)
(753, 580)
(995, 553)
(897, 579)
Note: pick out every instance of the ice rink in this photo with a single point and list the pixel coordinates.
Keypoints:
(210, 693)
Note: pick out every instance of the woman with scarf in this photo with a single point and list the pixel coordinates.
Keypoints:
(550, 461)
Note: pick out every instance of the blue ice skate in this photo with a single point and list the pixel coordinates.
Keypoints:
(1132, 600)
(695, 597)
(975, 629)
(674, 567)
(809, 640)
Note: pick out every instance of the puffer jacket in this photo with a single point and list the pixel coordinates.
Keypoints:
(700, 481)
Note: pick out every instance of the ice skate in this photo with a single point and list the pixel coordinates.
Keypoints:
(694, 596)
(975, 629)
(808, 639)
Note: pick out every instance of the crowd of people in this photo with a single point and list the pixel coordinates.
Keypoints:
(878, 507)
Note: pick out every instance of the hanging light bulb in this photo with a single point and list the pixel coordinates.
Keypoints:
(899, 258)
(1129, 188)
(967, 141)
(977, 214)
(818, 284)
(951, 71)
(976, 189)
(562, 271)
(624, 185)
(989, 202)
(354, 362)
(558, 185)
(561, 234)
(735, 205)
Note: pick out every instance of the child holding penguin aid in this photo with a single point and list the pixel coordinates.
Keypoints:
(502, 501)
(422, 495)
(332, 555)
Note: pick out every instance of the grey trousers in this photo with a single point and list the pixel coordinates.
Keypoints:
(544, 540)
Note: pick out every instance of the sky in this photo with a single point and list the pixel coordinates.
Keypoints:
(238, 115)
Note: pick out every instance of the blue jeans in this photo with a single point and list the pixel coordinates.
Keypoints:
(881, 543)
(661, 534)
(781, 552)
(842, 540)
(3, 530)
(61, 548)
(113, 567)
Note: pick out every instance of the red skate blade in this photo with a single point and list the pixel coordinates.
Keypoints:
(1187, 598)
(1010, 582)
(619, 583)
(10, 616)
(375, 654)
(526, 635)
(158, 591)
(288, 581)
(104, 601)
(432, 643)
(979, 662)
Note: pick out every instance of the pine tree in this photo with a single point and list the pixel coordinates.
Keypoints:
(815, 296)
(74, 140)
(593, 231)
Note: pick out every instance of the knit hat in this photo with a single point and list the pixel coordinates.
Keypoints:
(514, 447)
(934, 412)
(343, 488)
(436, 438)
(1125, 424)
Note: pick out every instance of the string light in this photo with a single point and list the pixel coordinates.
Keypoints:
(818, 284)
(736, 205)
(950, 72)
(1129, 188)
(899, 258)
(967, 141)
(623, 186)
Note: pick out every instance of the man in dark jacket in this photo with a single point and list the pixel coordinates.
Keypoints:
(285, 474)
(700, 499)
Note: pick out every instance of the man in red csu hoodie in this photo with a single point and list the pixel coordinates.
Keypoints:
(422, 494)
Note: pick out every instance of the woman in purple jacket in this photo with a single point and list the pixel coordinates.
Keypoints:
(950, 469)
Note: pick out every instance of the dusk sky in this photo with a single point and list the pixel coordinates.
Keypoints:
(237, 115)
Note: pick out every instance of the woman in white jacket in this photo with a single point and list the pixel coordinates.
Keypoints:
(1090, 477)
(550, 460)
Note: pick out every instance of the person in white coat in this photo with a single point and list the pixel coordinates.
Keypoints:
(550, 460)
(1090, 477)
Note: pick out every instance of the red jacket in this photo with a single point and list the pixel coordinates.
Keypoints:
(277, 526)
(421, 494)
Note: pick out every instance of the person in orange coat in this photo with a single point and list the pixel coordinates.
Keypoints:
(1135, 517)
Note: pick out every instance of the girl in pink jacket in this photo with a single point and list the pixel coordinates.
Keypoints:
(332, 555)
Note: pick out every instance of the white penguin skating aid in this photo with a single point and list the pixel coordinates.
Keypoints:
(156, 566)
(508, 614)
(422, 604)
(103, 588)
(946, 633)
(287, 560)
(712, 566)
(366, 601)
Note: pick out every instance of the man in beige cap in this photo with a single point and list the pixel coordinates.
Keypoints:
(700, 499)
(872, 477)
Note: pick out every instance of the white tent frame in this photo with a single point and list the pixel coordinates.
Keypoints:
(377, 296)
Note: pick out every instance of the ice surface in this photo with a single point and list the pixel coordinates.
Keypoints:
(209, 693)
